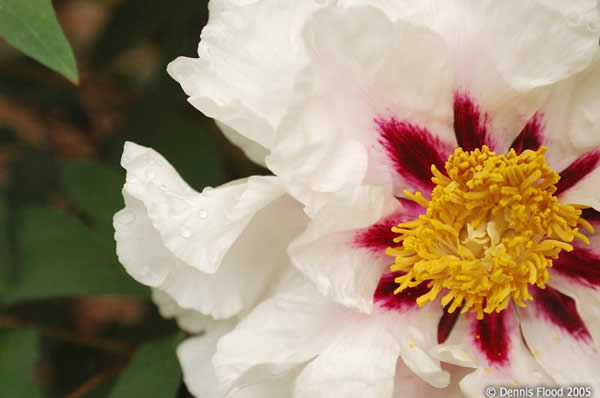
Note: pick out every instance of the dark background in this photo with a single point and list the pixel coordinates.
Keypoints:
(72, 322)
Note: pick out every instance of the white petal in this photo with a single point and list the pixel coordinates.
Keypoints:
(362, 67)
(360, 362)
(246, 271)
(195, 357)
(249, 55)
(253, 151)
(197, 228)
(347, 348)
(519, 31)
(462, 349)
(250, 232)
(326, 252)
(279, 334)
(553, 348)
(188, 320)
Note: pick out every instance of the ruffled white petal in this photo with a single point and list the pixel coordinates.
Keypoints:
(248, 235)
(514, 35)
(362, 67)
(280, 334)
(249, 55)
(359, 362)
(197, 228)
(553, 348)
(188, 320)
(327, 254)
(338, 352)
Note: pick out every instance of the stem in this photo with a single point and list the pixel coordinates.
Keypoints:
(114, 346)
(93, 381)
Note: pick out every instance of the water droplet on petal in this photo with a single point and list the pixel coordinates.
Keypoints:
(126, 217)
(207, 191)
(185, 232)
(150, 175)
(164, 187)
(202, 213)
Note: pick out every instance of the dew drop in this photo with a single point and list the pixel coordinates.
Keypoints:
(202, 213)
(126, 217)
(164, 187)
(207, 191)
(185, 232)
(150, 175)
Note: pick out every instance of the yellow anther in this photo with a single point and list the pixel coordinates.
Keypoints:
(491, 228)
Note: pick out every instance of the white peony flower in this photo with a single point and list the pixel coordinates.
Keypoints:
(456, 139)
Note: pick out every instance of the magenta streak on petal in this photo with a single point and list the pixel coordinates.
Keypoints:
(413, 150)
(446, 325)
(531, 135)
(581, 265)
(379, 236)
(560, 309)
(406, 300)
(491, 337)
(469, 124)
(577, 170)
(591, 215)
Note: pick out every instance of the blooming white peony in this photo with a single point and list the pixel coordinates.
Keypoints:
(456, 140)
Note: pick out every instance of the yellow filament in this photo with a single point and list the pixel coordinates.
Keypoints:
(492, 228)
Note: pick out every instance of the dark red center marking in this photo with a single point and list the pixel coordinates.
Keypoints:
(581, 265)
(403, 301)
(470, 125)
(591, 215)
(412, 150)
(561, 311)
(531, 135)
(446, 325)
(492, 338)
(577, 171)
(379, 236)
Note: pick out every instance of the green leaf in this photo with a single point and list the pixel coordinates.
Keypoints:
(60, 256)
(31, 26)
(18, 354)
(153, 372)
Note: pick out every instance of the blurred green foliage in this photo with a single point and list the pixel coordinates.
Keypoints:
(72, 322)
(31, 26)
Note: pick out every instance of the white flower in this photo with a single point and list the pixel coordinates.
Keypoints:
(350, 103)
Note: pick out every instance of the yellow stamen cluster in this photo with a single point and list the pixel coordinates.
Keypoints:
(492, 227)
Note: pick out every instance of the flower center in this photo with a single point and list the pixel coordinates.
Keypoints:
(492, 228)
